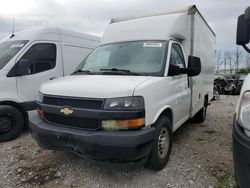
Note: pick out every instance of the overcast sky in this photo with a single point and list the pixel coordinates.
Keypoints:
(92, 16)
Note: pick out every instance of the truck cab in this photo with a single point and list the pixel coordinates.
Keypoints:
(28, 59)
(241, 127)
(126, 99)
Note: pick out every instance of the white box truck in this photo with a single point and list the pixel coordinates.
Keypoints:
(126, 99)
(241, 123)
(29, 58)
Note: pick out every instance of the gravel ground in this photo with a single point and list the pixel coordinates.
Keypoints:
(201, 157)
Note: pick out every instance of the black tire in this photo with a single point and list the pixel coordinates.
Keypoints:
(156, 161)
(236, 182)
(11, 123)
(201, 115)
(237, 90)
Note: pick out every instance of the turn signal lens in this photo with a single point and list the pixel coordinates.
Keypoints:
(123, 124)
(40, 113)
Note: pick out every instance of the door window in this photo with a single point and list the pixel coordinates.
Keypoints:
(176, 57)
(41, 57)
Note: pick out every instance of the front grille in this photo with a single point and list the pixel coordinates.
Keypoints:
(94, 104)
(76, 122)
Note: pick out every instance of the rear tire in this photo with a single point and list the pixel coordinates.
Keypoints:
(162, 145)
(11, 123)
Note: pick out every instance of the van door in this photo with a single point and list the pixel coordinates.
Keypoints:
(44, 63)
(180, 84)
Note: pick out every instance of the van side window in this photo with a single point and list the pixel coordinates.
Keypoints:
(41, 57)
(176, 57)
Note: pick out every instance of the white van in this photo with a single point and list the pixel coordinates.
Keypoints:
(147, 78)
(30, 58)
(241, 127)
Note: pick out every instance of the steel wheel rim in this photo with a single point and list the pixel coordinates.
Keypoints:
(163, 143)
(217, 95)
(6, 124)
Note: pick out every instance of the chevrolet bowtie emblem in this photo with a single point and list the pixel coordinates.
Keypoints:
(66, 111)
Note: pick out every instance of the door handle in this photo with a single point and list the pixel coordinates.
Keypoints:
(52, 78)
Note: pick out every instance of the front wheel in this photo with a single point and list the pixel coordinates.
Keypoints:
(162, 144)
(11, 123)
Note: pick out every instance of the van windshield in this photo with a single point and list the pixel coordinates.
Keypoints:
(135, 58)
(9, 49)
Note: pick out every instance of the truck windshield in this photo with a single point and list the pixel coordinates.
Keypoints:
(134, 58)
(9, 49)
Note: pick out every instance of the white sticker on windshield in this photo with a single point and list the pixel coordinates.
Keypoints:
(16, 45)
(152, 44)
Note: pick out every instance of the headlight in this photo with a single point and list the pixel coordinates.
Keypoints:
(244, 111)
(40, 97)
(124, 103)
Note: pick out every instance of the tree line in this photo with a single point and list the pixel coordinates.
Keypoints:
(232, 62)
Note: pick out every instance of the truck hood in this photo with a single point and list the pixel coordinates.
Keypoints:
(245, 87)
(93, 86)
(3, 72)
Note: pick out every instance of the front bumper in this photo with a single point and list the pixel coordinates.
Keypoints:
(241, 156)
(114, 146)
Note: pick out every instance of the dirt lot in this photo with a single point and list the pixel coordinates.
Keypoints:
(201, 157)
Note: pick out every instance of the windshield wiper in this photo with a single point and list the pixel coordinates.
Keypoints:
(120, 70)
(82, 71)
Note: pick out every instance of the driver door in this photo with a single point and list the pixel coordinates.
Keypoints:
(44, 64)
(180, 84)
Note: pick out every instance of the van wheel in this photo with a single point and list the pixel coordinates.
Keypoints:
(162, 144)
(201, 115)
(11, 123)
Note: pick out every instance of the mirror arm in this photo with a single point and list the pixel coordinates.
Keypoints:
(184, 70)
(246, 48)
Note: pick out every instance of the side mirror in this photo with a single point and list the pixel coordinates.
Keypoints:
(243, 35)
(194, 66)
(247, 14)
(243, 30)
(21, 68)
(173, 70)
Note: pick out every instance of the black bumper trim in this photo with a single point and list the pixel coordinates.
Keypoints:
(115, 146)
(241, 155)
(29, 105)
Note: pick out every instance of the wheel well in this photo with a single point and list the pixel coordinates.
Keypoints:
(168, 113)
(206, 100)
(20, 108)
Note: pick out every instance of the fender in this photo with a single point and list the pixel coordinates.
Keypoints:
(162, 109)
(26, 105)
(14, 99)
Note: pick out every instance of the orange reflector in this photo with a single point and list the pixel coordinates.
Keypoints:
(123, 124)
(40, 113)
(133, 123)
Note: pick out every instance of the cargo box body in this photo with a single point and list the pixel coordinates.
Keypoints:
(188, 27)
